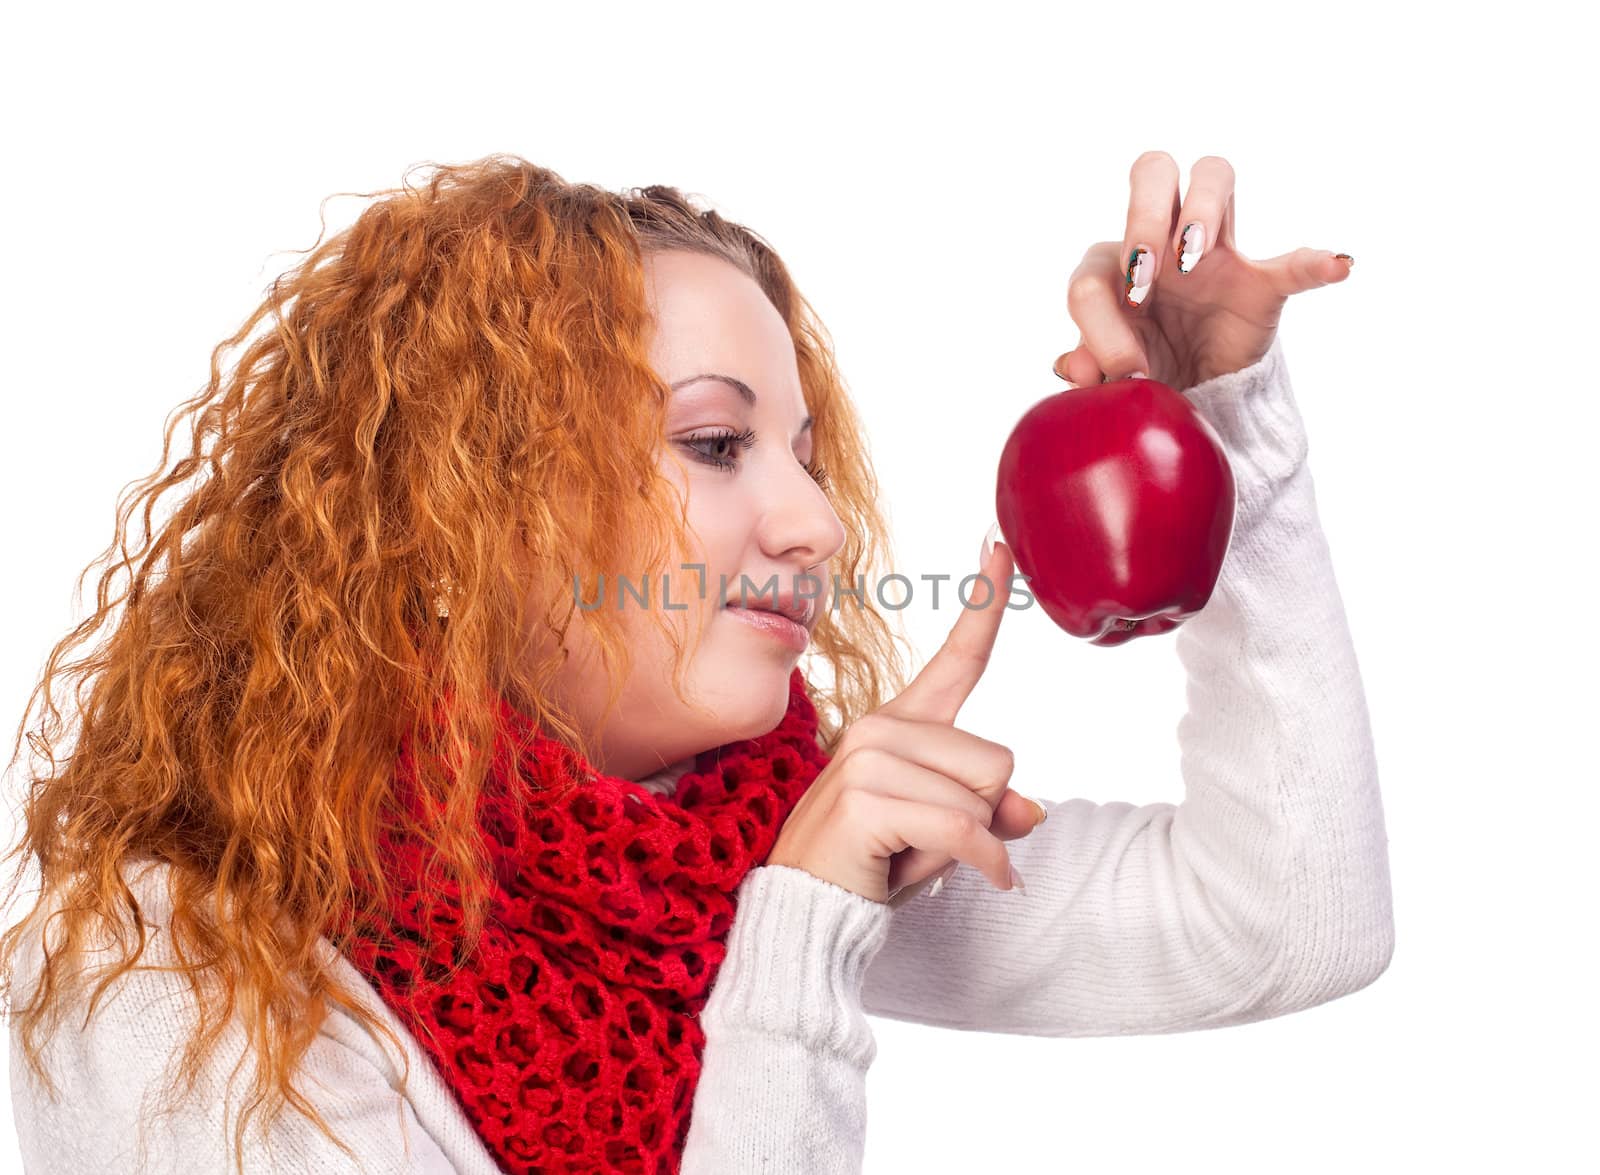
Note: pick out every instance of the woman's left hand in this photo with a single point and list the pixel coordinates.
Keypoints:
(1162, 312)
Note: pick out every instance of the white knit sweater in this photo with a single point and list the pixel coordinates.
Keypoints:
(1264, 892)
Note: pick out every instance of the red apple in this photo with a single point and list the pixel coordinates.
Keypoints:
(1117, 501)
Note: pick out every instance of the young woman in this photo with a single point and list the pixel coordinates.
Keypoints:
(395, 837)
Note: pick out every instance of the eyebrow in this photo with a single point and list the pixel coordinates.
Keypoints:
(746, 392)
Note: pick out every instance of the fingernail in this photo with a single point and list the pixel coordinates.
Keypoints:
(1345, 257)
(1043, 813)
(1193, 244)
(1016, 880)
(940, 878)
(987, 549)
(1141, 272)
(1137, 375)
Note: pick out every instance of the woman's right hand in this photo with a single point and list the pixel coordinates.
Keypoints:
(904, 778)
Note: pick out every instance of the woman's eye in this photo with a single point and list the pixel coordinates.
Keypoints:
(717, 446)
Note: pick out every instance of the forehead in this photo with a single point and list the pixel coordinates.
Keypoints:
(710, 316)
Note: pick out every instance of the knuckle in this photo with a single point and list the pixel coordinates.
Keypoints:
(1081, 290)
(868, 729)
(963, 824)
(1000, 759)
(1117, 357)
(974, 659)
(842, 746)
(866, 760)
(850, 804)
(965, 652)
(852, 740)
(1005, 762)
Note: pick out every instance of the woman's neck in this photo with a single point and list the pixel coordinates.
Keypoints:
(664, 780)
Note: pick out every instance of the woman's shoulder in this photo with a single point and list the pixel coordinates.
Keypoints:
(149, 881)
(113, 1057)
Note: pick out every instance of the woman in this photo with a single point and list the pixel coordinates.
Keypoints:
(368, 857)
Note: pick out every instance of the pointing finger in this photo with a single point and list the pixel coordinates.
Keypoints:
(936, 694)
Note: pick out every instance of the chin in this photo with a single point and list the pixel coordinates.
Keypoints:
(754, 700)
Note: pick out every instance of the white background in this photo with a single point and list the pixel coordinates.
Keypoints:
(932, 177)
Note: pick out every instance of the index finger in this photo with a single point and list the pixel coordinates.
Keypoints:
(936, 694)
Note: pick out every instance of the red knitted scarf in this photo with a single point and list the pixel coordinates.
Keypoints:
(571, 1037)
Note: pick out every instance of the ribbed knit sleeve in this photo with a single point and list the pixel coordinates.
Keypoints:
(1267, 889)
(782, 1086)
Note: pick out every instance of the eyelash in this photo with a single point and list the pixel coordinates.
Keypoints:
(745, 440)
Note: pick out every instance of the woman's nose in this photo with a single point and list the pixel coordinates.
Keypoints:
(799, 523)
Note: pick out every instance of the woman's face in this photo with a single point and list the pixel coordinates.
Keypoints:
(755, 514)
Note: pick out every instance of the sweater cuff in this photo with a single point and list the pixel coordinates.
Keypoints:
(798, 953)
(1255, 415)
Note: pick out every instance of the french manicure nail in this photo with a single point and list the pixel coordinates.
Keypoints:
(1043, 815)
(1347, 259)
(987, 549)
(1193, 244)
(940, 878)
(1016, 880)
(1141, 272)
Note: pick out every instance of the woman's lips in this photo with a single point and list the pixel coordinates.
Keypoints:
(796, 636)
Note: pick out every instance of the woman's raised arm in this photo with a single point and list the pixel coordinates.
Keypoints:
(1267, 889)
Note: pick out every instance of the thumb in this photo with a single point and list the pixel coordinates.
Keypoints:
(1305, 269)
(1015, 815)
